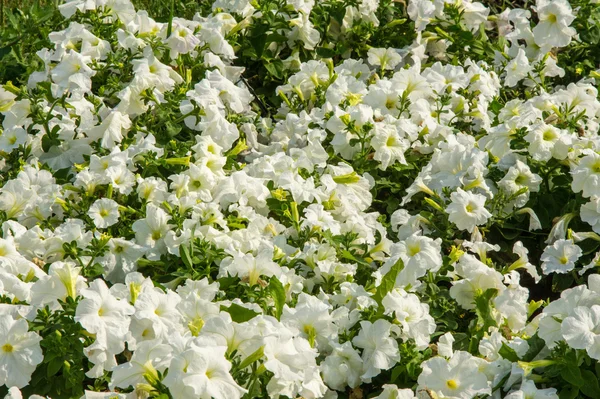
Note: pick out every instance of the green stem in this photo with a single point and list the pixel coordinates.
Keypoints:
(171, 12)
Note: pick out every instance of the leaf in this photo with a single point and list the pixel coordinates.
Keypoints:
(388, 282)
(508, 353)
(48, 142)
(278, 294)
(259, 39)
(483, 308)
(591, 387)
(573, 376)
(53, 366)
(186, 257)
(226, 282)
(252, 358)
(4, 51)
(326, 52)
(348, 255)
(238, 313)
(396, 371)
(94, 271)
(536, 344)
(569, 393)
(275, 68)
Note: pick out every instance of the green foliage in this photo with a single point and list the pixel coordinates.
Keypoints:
(62, 372)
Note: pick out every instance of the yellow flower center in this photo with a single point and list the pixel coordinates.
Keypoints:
(549, 135)
(564, 260)
(452, 384)
(413, 250)
(156, 235)
(8, 348)
(521, 179)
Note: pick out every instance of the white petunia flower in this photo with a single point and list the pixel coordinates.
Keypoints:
(249, 267)
(590, 213)
(104, 212)
(586, 176)
(386, 58)
(553, 29)
(20, 352)
(467, 210)
(517, 69)
(151, 231)
(458, 377)
(581, 330)
(560, 257)
(202, 372)
(380, 351)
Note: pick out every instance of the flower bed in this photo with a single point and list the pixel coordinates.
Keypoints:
(304, 199)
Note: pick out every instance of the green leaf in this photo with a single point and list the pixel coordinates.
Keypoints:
(238, 313)
(536, 344)
(4, 51)
(278, 294)
(48, 142)
(226, 282)
(186, 257)
(252, 358)
(569, 393)
(591, 387)
(508, 353)
(53, 366)
(326, 52)
(396, 371)
(275, 68)
(483, 308)
(348, 255)
(388, 282)
(94, 271)
(573, 376)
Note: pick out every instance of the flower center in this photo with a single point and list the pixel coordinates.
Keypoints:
(521, 179)
(564, 260)
(413, 250)
(452, 384)
(8, 348)
(549, 135)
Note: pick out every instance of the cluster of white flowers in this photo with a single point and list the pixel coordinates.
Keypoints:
(313, 285)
